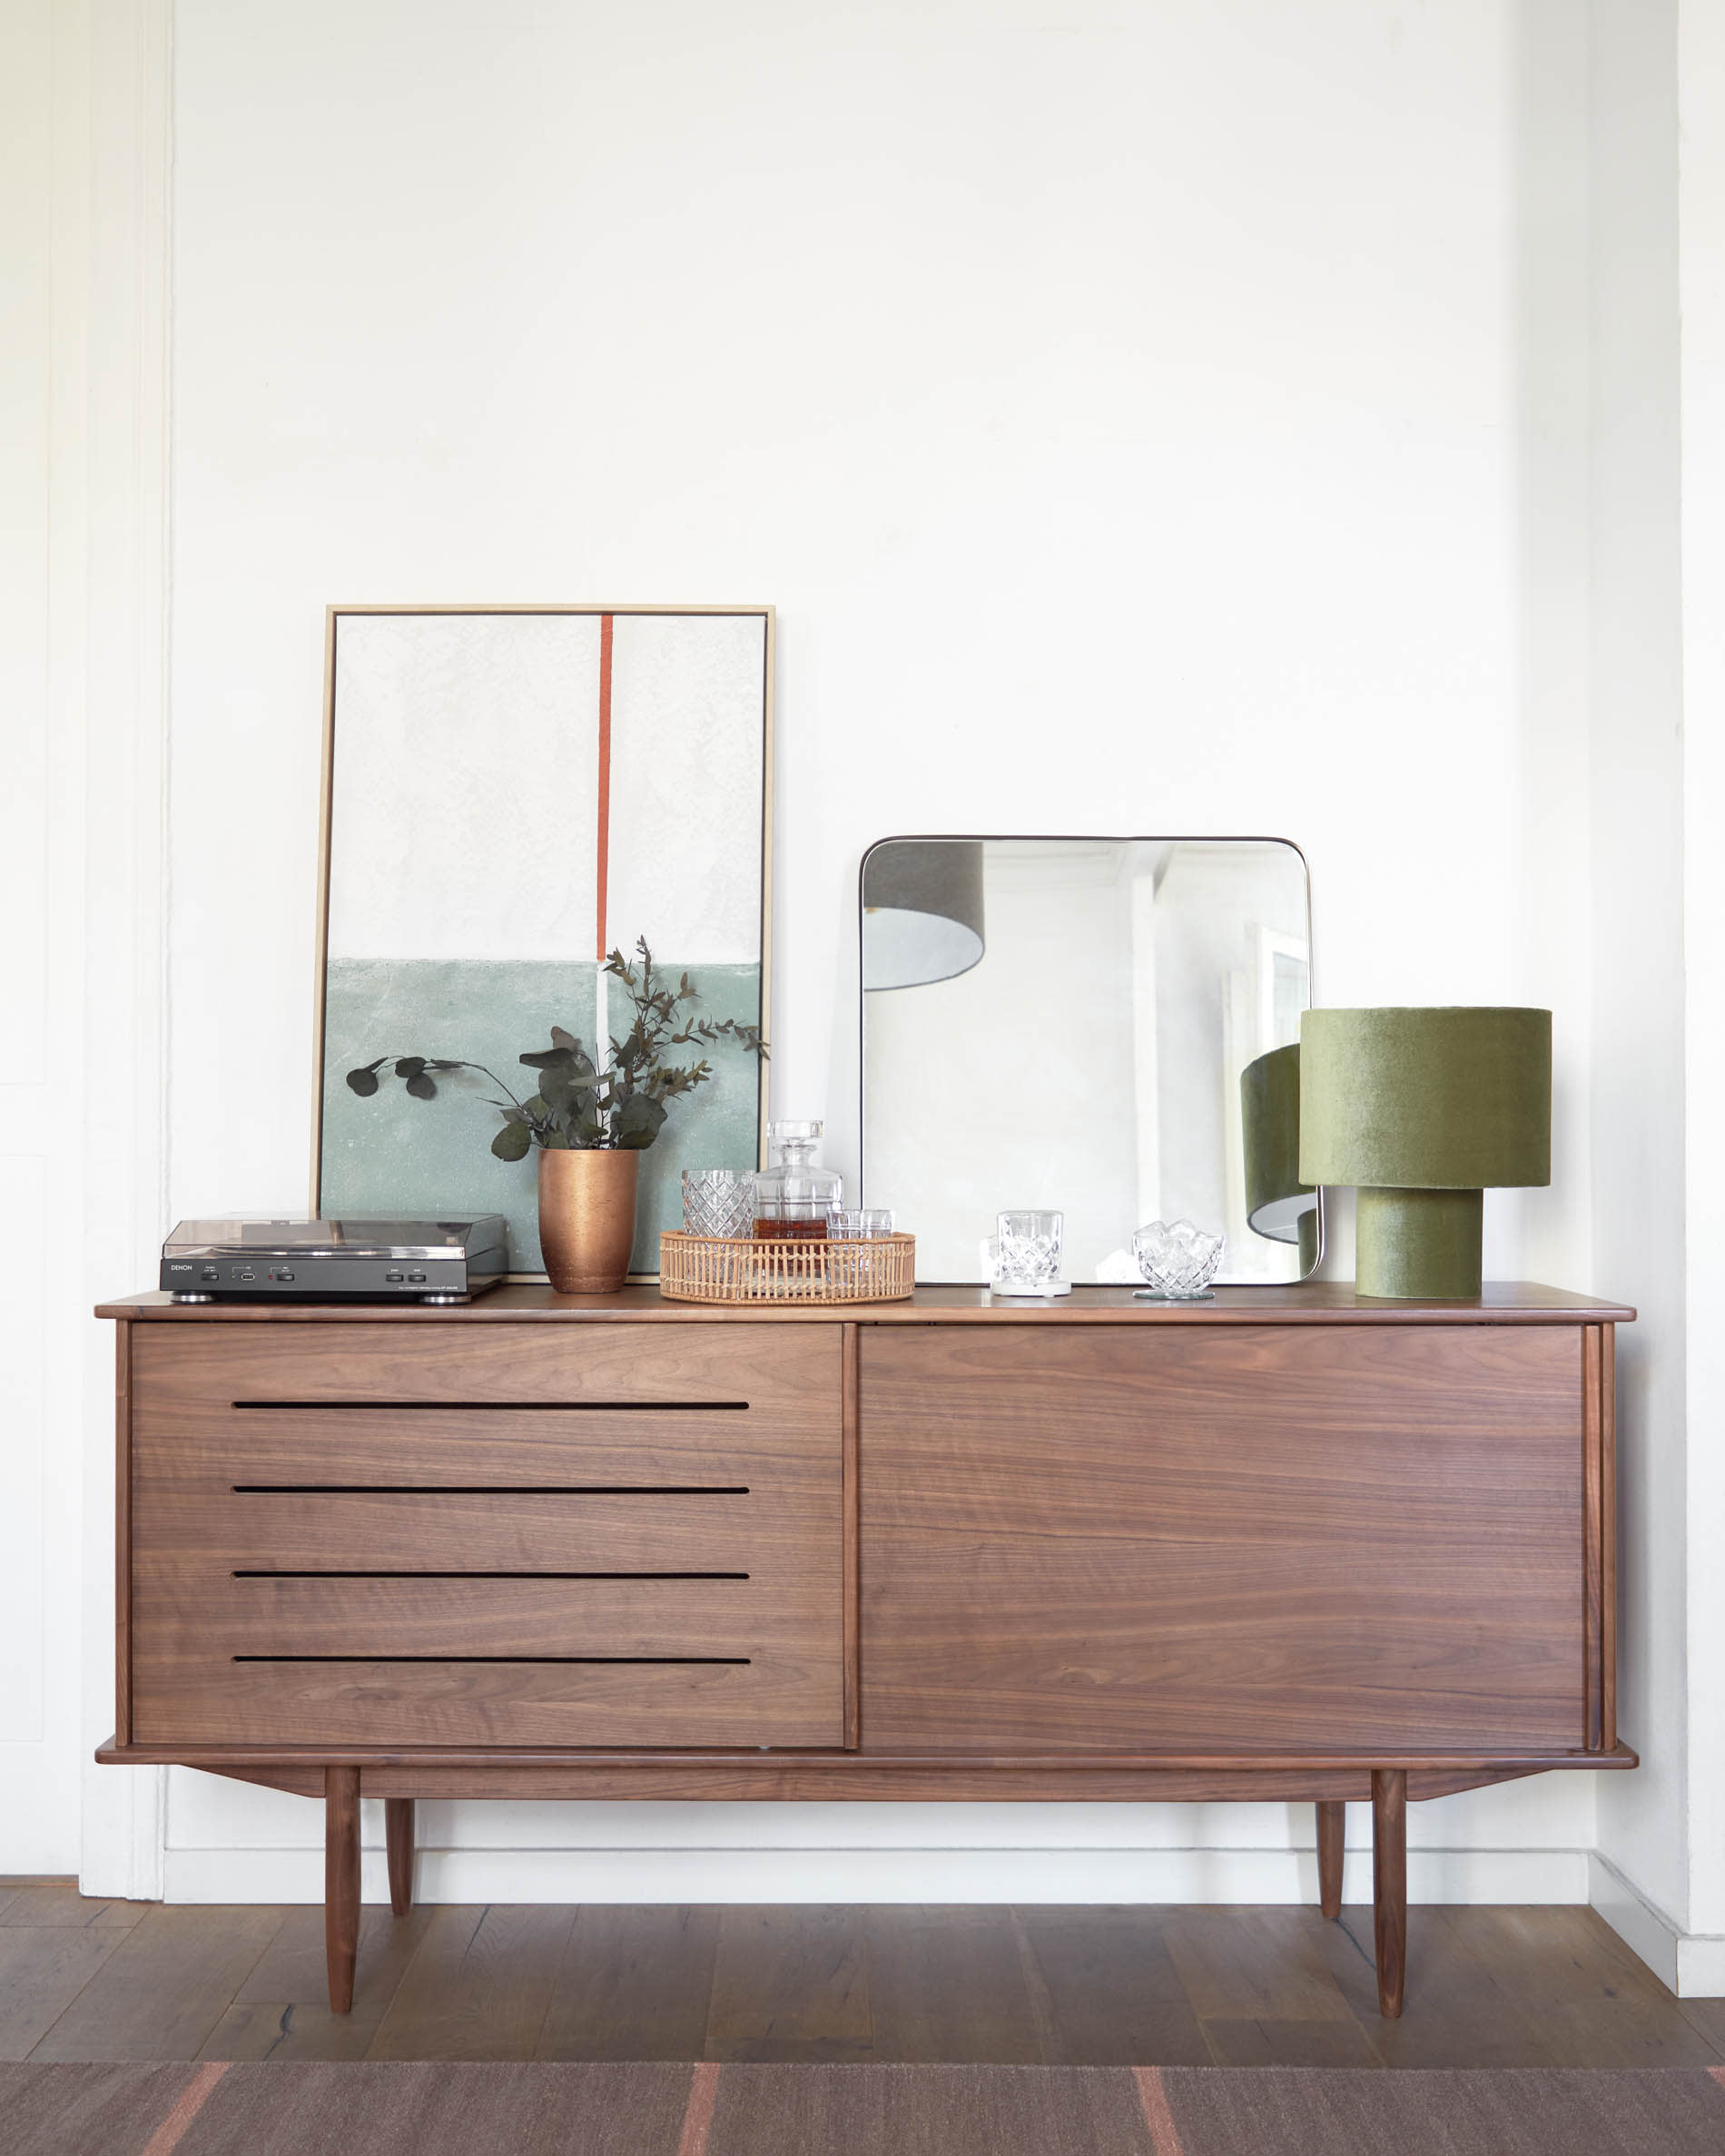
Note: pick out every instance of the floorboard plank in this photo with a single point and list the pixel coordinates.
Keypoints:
(948, 1986)
(42, 1972)
(1708, 2016)
(1249, 1965)
(636, 1982)
(1113, 1996)
(478, 1986)
(166, 1986)
(281, 2011)
(60, 1903)
(790, 1984)
(1558, 1954)
(1632, 2033)
(1583, 1998)
(1289, 2043)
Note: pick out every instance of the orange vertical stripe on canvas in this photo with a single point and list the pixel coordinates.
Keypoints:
(605, 778)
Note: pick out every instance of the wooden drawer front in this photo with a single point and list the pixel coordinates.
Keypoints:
(550, 1546)
(1202, 1538)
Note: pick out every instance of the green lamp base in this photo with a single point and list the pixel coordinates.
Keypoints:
(1419, 1245)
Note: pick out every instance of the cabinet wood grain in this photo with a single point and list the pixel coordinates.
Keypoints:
(1261, 1539)
(434, 1539)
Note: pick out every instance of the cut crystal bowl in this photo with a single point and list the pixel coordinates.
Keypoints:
(1177, 1261)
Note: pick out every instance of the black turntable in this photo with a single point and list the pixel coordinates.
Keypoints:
(334, 1261)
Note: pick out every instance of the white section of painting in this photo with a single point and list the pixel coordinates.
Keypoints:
(465, 819)
(687, 740)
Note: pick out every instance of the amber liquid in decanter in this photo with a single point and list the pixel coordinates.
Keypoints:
(793, 1198)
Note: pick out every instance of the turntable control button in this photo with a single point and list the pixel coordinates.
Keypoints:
(284, 1276)
(416, 1279)
(394, 1279)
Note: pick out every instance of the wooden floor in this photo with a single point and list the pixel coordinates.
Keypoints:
(1169, 1986)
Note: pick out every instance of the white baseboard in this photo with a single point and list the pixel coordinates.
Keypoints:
(877, 1875)
(1690, 1963)
(1651, 1934)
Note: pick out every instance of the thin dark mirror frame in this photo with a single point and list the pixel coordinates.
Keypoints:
(1073, 838)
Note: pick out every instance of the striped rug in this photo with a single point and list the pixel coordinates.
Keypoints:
(836, 2110)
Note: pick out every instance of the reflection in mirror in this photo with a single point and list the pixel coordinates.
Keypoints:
(1087, 1024)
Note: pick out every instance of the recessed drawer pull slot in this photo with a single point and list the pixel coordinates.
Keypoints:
(490, 1490)
(266, 1574)
(657, 1661)
(513, 1407)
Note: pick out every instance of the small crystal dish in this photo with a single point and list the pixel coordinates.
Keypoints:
(1179, 1261)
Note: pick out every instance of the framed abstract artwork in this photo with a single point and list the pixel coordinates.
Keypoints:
(509, 794)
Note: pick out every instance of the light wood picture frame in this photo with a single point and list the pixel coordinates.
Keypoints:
(509, 791)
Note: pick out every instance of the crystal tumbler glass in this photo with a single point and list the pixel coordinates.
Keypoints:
(859, 1223)
(1027, 1262)
(719, 1202)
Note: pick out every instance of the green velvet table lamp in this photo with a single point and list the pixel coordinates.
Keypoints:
(1423, 1111)
(1278, 1206)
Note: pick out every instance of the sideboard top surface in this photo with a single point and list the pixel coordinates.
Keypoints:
(1312, 1301)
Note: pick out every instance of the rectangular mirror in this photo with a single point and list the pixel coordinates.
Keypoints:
(1087, 1025)
(510, 793)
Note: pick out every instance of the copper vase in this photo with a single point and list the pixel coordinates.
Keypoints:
(586, 1217)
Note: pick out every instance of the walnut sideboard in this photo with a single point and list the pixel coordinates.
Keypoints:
(1288, 1544)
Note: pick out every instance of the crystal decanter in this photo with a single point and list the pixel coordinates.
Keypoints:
(796, 1196)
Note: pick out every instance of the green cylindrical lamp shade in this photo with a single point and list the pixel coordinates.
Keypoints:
(1423, 1111)
(1278, 1206)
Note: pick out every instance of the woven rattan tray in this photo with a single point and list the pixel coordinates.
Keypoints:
(705, 1269)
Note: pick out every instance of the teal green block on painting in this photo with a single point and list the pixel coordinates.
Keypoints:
(392, 1155)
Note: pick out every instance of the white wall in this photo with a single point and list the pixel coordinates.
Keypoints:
(37, 1487)
(1250, 416)
(84, 161)
(1128, 411)
(1701, 229)
(1637, 846)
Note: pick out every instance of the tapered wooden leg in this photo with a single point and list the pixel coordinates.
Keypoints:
(397, 1830)
(340, 1881)
(1389, 1884)
(1331, 1824)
